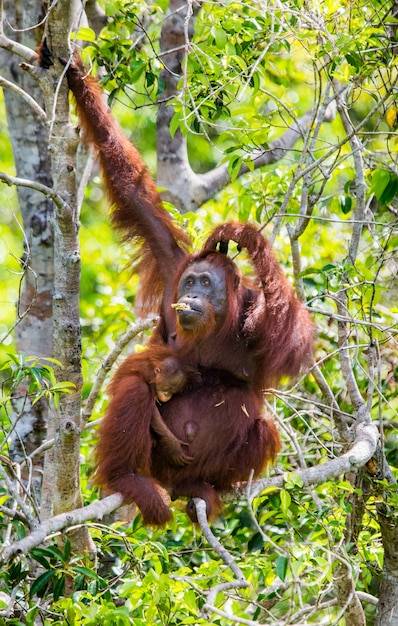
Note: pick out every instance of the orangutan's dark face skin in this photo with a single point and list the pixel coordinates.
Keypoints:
(202, 295)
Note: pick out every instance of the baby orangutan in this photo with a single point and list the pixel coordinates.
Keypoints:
(162, 374)
(169, 379)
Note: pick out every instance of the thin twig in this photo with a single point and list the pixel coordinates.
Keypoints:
(25, 96)
(31, 184)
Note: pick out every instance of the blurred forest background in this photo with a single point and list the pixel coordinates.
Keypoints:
(280, 113)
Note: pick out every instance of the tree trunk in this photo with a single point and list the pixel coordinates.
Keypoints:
(52, 325)
(387, 609)
(29, 140)
(66, 331)
(174, 173)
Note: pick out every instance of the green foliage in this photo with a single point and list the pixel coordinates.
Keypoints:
(123, 64)
(249, 76)
(163, 576)
(39, 376)
(384, 185)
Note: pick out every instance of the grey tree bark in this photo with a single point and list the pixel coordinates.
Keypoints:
(29, 139)
(47, 151)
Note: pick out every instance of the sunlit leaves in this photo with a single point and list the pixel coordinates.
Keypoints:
(39, 376)
(391, 117)
(84, 33)
(249, 75)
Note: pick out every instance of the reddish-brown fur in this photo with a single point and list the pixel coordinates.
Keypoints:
(135, 389)
(266, 334)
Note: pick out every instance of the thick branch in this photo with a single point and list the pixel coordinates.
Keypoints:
(346, 596)
(361, 451)
(25, 97)
(94, 511)
(174, 172)
(188, 190)
(363, 448)
(200, 506)
(16, 48)
(95, 15)
(213, 181)
(387, 612)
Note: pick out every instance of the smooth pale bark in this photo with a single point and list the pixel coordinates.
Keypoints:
(46, 153)
(29, 141)
(65, 456)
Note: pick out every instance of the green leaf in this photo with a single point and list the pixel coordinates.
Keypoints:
(384, 185)
(292, 479)
(234, 166)
(67, 549)
(55, 552)
(286, 500)
(390, 191)
(41, 583)
(220, 37)
(329, 267)
(161, 85)
(40, 558)
(256, 543)
(51, 360)
(112, 96)
(84, 33)
(174, 123)
(65, 386)
(59, 587)
(85, 571)
(345, 204)
(354, 59)
(281, 567)
(137, 68)
(150, 78)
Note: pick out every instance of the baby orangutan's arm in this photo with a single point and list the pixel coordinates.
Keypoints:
(170, 442)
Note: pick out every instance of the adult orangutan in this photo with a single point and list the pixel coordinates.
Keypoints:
(240, 337)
